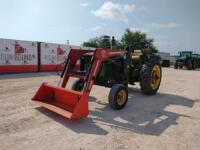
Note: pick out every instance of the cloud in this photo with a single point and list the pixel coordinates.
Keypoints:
(68, 29)
(142, 9)
(114, 11)
(164, 26)
(96, 28)
(84, 4)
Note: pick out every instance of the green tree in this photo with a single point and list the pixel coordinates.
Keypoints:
(119, 45)
(104, 41)
(98, 42)
(137, 40)
(94, 42)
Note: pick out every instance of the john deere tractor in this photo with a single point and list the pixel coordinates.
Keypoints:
(196, 60)
(187, 59)
(117, 72)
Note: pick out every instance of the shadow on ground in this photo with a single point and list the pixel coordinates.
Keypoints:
(142, 114)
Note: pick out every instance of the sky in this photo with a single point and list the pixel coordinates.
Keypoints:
(174, 24)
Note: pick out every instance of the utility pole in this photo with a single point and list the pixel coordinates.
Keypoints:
(67, 42)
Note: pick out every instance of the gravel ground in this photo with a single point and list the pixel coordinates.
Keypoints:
(167, 121)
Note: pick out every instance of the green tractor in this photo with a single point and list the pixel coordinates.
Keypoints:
(117, 72)
(186, 59)
(196, 60)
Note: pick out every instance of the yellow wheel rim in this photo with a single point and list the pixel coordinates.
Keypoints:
(121, 97)
(155, 77)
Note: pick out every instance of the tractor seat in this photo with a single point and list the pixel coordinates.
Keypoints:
(136, 54)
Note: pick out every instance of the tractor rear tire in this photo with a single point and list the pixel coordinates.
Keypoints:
(194, 65)
(118, 96)
(189, 64)
(78, 85)
(175, 66)
(150, 77)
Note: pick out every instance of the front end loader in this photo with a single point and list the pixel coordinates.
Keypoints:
(115, 69)
(67, 102)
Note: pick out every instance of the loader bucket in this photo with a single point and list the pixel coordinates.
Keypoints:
(68, 103)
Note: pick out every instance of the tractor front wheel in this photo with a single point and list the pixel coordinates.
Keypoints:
(118, 96)
(150, 77)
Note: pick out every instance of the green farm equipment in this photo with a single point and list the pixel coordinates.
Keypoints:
(196, 60)
(110, 68)
(117, 72)
(187, 59)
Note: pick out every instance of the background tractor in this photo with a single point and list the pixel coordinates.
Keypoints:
(187, 59)
(196, 60)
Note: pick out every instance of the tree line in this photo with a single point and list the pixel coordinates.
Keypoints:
(132, 39)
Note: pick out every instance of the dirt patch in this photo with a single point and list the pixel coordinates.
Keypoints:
(168, 120)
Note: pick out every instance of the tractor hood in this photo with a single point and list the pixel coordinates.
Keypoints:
(181, 58)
